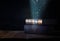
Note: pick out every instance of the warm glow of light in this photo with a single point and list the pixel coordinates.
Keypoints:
(33, 21)
(26, 20)
(39, 22)
(29, 20)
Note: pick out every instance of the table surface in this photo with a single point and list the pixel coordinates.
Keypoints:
(20, 34)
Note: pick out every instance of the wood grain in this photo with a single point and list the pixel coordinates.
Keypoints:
(19, 34)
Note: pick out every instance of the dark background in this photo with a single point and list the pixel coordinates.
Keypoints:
(14, 12)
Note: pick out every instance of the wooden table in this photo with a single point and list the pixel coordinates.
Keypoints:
(20, 34)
